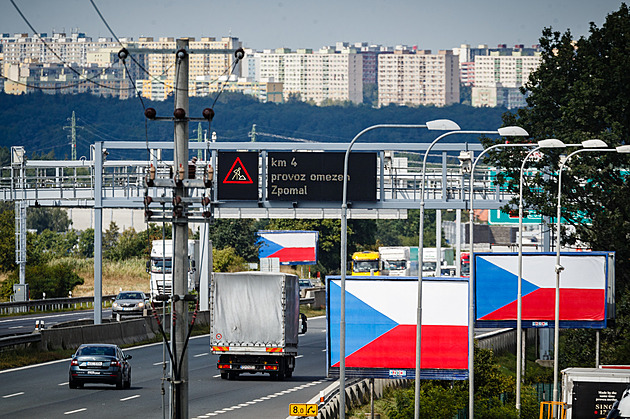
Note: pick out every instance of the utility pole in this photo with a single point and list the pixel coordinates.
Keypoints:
(180, 235)
(252, 133)
(73, 136)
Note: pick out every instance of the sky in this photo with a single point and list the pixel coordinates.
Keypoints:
(262, 24)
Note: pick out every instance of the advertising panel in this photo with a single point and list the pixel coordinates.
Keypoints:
(586, 289)
(290, 247)
(381, 313)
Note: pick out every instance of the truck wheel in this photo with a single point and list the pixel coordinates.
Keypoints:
(232, 375)
(289, 373)
(224, 375)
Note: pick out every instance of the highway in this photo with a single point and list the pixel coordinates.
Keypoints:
(41, 391)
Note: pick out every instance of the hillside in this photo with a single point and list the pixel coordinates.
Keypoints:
(36, 121)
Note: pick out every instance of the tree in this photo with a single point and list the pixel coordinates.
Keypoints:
(53, 219)
(237, 234)
(7, 239)
(580, 91)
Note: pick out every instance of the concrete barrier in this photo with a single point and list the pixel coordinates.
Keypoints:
(121, 333)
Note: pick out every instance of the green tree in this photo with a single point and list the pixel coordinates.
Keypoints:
(55, 280)
(53, 219)
(7, 240)
(110, 239)
(580, 91)
(86, 243)
(128, 245)
(237, 234)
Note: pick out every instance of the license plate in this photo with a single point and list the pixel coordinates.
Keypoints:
(94, 364)
(248, 367)
(128, 308)
(93, 372)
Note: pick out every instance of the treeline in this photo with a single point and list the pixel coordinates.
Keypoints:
(41, 122)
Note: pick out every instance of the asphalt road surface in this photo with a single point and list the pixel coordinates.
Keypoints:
(41, 391)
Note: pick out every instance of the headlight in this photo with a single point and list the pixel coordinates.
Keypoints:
(140, 304)
(115, 305)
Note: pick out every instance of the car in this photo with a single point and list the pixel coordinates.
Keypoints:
(99, 363)
(305, 283)
(129, 303)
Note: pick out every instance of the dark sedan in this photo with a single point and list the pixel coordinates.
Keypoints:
(100, 363)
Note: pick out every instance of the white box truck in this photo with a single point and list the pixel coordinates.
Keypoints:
(395, 261)
(160, 267)
(255, 321)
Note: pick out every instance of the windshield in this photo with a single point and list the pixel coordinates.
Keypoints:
(96, 350)
(365, 265)
(130, 296)
(428, 266)
(157, 265)
(395, 264)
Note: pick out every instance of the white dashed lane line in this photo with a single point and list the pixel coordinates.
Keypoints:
(262, 399)
(13, 395)
(203, 354)
(70, 412)
(130, 398)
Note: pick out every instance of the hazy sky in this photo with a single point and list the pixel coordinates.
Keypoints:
(441, 24)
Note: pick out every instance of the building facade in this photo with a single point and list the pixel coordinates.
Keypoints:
(418, 78)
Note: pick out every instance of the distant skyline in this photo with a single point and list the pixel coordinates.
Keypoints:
(296, 24)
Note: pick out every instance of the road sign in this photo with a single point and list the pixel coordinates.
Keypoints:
(313, 176)
(238, 175)
(302, 409)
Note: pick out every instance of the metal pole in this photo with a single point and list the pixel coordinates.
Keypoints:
(344, 256)
(420, 260)
(180, 237)
(559, 268)
(98, 232)
(471, 281)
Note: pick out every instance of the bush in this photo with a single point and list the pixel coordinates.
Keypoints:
(56, 281)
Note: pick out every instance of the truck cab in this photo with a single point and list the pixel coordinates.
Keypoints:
(366, 263)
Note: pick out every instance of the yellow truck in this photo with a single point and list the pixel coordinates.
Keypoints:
(366, 263)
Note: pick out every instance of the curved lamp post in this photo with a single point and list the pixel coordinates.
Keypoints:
(471, 278)
(593, 145)
(505, 131)
(437, 125)
(548, 143)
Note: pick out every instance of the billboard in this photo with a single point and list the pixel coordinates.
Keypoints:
(586, 289)
(381, 315)
(290, 247)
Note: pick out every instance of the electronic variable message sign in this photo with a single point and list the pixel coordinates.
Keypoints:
(238, 175)
(317, 176)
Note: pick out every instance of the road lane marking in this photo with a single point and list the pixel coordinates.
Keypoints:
(75, 411)
(130, 398)
(259, 400)
(16, 327)
(216, 376)
(299, 356)
(203, 354)
(13, 395)
(63, 384)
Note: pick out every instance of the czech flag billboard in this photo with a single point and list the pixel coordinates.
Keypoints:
(381, 314)
(586, 289)
(291, 247)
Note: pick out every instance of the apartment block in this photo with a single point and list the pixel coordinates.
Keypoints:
(418, 78)
(498, 78)
(321, 76)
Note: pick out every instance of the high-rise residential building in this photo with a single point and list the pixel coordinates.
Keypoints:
(313, 76)
(418, 78)
(498, 78)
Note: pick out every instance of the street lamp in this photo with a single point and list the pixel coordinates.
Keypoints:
(471, 278)
(548, 143)
(593, 145)
(505, 131)
(437, 125)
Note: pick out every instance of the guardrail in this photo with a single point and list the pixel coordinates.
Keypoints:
(49, 304)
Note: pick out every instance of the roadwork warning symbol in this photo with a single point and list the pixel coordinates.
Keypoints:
(238, 173)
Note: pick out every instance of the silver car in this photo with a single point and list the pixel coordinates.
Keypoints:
(129, 303)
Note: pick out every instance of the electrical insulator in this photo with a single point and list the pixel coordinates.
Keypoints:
(181, 172)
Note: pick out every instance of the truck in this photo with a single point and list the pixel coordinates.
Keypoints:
(596, 393)
(430, 260)
(160, 267)
(366, 263)
(255, 321)
(395, 261)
